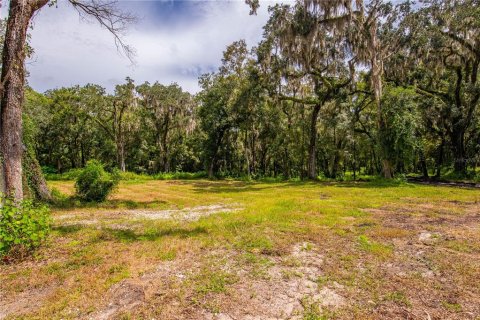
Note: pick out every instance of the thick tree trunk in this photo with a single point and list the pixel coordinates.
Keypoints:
(12, 80)
(34, 177)
(312, 148)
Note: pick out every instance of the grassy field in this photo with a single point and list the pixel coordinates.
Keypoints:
(237, 250)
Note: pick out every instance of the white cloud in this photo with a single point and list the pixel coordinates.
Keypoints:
(69, 51)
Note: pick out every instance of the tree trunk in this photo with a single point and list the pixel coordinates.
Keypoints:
(165, 159)
(121, 155)
(440, 159)
(210, 169)
(213, 158)
(458, 146)
(423, 164)
(377, 71)
(13, 80)
(354, 165)
(247, 158)
(334, 168)
(34, 177)
(312, 148)
(82, 154)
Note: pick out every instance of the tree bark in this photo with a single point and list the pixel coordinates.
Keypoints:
(312, 148)
(12, 92)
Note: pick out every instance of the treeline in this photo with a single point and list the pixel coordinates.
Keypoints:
(147, 128)
(332, 89)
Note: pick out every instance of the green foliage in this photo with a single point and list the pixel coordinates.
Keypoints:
(180, 175)
(132, 176)
(254, 117)
(373, 247)
(399, 138)
(477, 177)
(71, 174)
(23, 227)
(94, 183)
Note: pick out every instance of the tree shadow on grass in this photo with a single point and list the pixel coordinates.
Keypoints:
(374, 184)
(132, 236)
(129, 235)
(74, 203)
(64, 230)
(241, 186)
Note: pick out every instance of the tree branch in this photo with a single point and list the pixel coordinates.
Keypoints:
(310, 101)
(109, 16)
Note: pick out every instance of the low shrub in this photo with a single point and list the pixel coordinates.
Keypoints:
(23, 227)
(94, 183)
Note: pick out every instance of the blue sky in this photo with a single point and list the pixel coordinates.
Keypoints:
(175, 41)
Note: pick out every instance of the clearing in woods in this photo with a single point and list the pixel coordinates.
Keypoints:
(237, 250)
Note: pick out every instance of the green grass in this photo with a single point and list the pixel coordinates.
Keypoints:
(354, 226)
(374, 247)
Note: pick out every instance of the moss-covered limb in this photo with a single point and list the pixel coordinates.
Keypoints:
(34, 183)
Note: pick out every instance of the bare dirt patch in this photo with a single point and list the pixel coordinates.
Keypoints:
(160, 287)
(434, 267)
(24, 303)
(286, 288)
(186, 214)
(282, 290)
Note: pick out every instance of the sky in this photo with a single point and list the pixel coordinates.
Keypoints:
(175, 41)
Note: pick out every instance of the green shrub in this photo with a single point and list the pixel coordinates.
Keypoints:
(23, 227)
(71, 174)
(477, 177)
(94, 183)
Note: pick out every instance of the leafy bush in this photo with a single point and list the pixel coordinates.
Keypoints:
(477, 177)
(94, 183)
(46, 170)
(23, 227)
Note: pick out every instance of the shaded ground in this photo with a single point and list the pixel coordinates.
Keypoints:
(257, 251)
